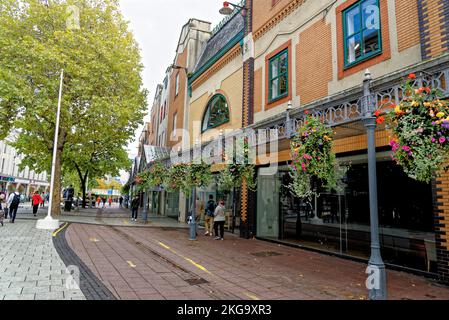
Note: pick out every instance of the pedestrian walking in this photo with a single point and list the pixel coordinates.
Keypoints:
(219, 220)
(2, 209)
(121, 201)
(43, 199)
(110, 201)
(134, 208)
(98, 201)
(103, 199)
(13, 204)
(36, 200)
(209, 219)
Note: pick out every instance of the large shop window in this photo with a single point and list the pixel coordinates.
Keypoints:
(278, 76)
(340, 222)
(362, 34)
(217, 113)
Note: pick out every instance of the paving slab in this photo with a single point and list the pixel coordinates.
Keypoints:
(29, 263)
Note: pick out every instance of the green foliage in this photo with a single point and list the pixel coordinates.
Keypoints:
(176, 179)
(185, 177)
(199, 175)
(103, 99)
(314, 164)
(233, 175)
(421, 128)
(153, 177)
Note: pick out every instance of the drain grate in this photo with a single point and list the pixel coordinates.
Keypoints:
(265, 254)
(196, 281)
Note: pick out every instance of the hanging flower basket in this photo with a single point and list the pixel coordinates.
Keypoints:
(420, 125)
(314, 165)
(234, 174)
(199, 175)
(176, 178)
(151, 178)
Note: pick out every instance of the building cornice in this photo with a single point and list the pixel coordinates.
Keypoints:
(281, 15)
(217, 65)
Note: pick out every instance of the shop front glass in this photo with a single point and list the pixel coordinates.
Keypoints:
(232, 222)
(172, 205)
(341, 222)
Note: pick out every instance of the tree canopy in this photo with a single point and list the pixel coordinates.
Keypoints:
(103, 99)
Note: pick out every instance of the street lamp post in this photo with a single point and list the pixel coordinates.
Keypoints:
(49, 223)
(192, 222)
(377, 283)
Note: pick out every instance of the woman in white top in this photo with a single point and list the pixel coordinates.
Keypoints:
(219, 220)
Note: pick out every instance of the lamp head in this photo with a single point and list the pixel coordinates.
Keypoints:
(367, 75)
(226, 10)
(289, 105)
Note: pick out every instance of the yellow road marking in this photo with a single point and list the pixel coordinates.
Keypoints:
(165, 246)
(125, 222)
(252, 297)
(60, 229)
(94, 240)
(185, 258)
(197, 265)
(131, 264)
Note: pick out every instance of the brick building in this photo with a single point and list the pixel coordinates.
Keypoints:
(312, 55)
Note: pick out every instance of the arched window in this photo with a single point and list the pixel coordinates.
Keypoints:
(217, 113)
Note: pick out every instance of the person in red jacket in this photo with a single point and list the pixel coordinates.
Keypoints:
(36, 200)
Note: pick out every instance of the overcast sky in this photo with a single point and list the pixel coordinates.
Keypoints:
(156, 25)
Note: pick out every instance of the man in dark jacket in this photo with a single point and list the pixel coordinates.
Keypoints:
(13, 203)
(209, 216)
(134, 208)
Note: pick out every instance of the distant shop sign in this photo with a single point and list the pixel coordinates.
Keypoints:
(106, 192)
(7, 179)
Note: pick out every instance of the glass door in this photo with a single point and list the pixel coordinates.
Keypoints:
(268, 206)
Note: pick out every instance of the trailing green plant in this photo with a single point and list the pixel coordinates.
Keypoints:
(234, 174)
(199, 175)
(153, 177)
(176, 179)
(420, 124)
(314, 165)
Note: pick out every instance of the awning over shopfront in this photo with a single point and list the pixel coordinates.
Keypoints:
(154, 153)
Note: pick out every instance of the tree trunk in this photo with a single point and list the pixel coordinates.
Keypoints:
(56, 196)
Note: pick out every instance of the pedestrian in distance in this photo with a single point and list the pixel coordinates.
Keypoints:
(13, 204)
(134, 208)
(120, 201)
(98, 201)
(103, 199)
(43, 200)
(110, 201)
(2, 209)
(209, 219)
(36, 200)
(219, 220)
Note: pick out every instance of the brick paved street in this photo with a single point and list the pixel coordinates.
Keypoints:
(136, 263)
(30, 267)
(161, 263)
